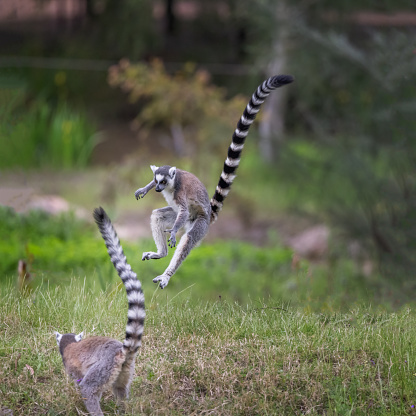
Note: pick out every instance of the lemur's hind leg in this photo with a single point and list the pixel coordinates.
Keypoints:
(98, 378)
(92, 401)
(162, 219)
(195, 233)
(91, 390)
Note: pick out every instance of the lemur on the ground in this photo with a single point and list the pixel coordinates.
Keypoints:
(99, 363)
(189, 204)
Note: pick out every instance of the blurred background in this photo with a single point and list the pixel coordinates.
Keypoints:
(323, 212)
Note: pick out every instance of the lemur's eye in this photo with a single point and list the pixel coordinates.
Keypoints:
(163, 182)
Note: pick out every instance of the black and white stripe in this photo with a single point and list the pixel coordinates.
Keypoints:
(135, 296)
(234, 151)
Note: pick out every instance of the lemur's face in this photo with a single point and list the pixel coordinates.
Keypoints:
(164, 177)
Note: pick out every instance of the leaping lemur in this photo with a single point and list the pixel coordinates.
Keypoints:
(98, 363)
(189, 204)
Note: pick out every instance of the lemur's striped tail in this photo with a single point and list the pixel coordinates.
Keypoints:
(234, 151)
(135, 296)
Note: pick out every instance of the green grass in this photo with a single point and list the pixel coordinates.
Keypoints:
(60, 248)
(239, 330)
(212, 357)
(54, 247)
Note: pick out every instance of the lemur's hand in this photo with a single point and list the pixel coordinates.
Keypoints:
(140, 193)
(172, 238)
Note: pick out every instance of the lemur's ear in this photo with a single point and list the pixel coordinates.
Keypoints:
(58, 337)
(154, 168)
(172, 172)
(78, 337)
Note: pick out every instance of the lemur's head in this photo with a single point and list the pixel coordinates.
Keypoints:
(164, 177)
(65, 339)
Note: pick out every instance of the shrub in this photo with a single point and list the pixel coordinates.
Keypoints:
(38, 135)
(184, 103)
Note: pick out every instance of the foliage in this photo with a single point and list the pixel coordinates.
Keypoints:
(365, 199)
(219, 357)
(57, 248)
(359, 99)
(354, 99)
(40, 135)
(185, 103)
(365, 138)
(54, 247)
(121, 29)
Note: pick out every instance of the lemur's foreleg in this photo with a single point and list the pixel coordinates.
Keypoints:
(181, 220)
(196, 232)
(162, 219)
(141, 192)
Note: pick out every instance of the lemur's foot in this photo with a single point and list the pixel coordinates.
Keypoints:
(162, 279)
(150, 255)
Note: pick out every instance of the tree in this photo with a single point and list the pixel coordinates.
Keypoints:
(355, 104)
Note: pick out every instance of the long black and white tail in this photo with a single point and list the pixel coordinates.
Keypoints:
(136, 311)
(234, 151)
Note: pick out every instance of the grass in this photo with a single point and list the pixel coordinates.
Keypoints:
(212, 357)
(238, 330)
(58, 248)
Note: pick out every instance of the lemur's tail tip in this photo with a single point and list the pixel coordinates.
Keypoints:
(99, 214)
(280, 80)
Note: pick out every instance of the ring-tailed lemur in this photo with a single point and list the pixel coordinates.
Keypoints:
(98, 363)
(189, 204)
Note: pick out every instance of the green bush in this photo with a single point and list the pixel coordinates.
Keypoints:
(39, 135)
(59, 248)
(54, 247)
(194, 111)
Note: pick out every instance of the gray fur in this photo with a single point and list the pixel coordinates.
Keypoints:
(100, 363)
(189, 205)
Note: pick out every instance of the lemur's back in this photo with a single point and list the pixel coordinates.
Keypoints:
(196, 193)
(79, 357)
(92, 349)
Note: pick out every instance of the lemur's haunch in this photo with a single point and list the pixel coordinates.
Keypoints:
(100, 363)
(189, 204)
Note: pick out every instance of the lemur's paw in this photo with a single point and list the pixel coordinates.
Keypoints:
(172, 238)
(172, 241)
(140, 193)
(150, 255)
(162, 279)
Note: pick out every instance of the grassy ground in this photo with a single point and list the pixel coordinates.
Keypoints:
(58, 248)
(212, 357)
(298, 341)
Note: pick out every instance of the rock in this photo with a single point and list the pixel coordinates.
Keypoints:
(25, 199)
(311, 244)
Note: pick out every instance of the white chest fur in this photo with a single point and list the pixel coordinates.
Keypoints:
(169, 199)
